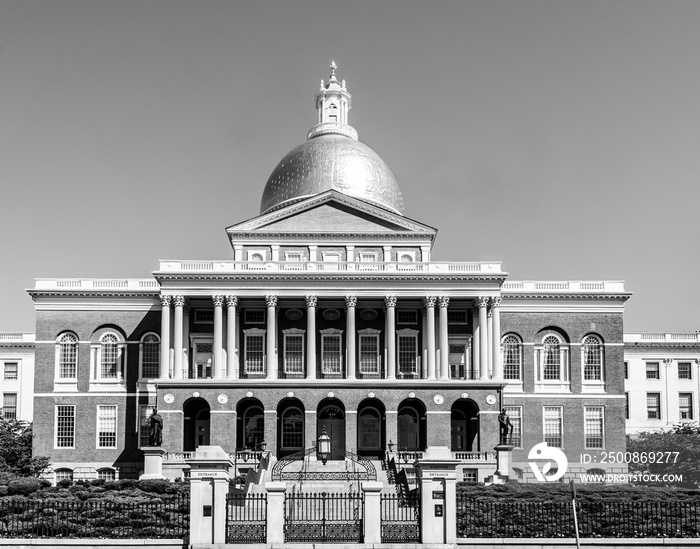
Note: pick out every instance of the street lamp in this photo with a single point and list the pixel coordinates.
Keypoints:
(323, 446)
(263, 445)
(391, 447)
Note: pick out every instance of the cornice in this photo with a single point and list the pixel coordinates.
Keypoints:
(98, 293)
(17, 345)
(507, 296)
(324, 275)
(661, 345)
(310, 237)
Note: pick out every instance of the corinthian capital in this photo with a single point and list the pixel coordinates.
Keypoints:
(218, 300)
(390, 301)
(429, 301)
(179, 300)
(443, 301)
(495, 302)
(271, 300)
(482, 301)
(232, 301)
(165, 300)
(311, 300)
(350, 300)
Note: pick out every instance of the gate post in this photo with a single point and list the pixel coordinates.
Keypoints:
(372, 512)
(209, 485)
(275, 512)
(437, 474)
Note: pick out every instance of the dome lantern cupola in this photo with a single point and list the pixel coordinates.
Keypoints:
(332, 158)
(333, 103)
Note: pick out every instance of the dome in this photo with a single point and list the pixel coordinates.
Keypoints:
(332, 162)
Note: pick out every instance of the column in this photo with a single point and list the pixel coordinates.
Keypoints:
(489, 338)
(271, 352)
(390, 339)
(429, 304)
(165, 337)
(443, 302)
(186, 339)
(350, 305)
(496, 352)
(231, 327)
(179, 302)
(482, 302)
(476, 347)
(311, 336)
(218, 336)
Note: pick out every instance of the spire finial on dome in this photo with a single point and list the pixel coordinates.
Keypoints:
(333, 67)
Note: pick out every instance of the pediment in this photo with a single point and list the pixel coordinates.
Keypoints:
(332, 213)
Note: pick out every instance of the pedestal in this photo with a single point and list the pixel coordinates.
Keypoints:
(152, 462)
(504, 458)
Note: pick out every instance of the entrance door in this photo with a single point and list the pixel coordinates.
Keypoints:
(332, 419)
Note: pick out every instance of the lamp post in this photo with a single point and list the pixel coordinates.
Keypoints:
(391, 447)
(323, 446)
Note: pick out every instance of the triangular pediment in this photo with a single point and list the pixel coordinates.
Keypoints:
(332, 213)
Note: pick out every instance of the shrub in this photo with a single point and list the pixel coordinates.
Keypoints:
(26, 486)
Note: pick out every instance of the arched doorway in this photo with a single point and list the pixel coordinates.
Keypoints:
(196, 424)
(412, 423)
(250, 423)
(290, 427)
(371, 429)
(331, 418)
(465, 426)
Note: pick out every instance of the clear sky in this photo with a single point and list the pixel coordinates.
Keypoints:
(560, 137)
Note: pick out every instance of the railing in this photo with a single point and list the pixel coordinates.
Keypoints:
(569, 286)
(662, 337)
(124, 284)
(400, 522)
(16, 336)
(246, 518)
(448, 267)
(177, 456)
(472, 457)
(48, 518)
(279, 474)
(596, 519)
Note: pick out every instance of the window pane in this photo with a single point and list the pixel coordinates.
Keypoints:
(552, 358)
(684, 370)
(515, 413)
(9, 405)
(512, 352)
(653, 406)
(553, 426)
(109, 357)
(67, 356)
(294, 354)
(652, 370)
(685, 405)
(106, 426)
(593, 426)
(107, 475)
(254, 354)
(150, 366)
(369, 354)
(65, 426)
(592, 359)
(407, 355)
(331, 354)
(293, 429)
(144, 413)
(11, 369)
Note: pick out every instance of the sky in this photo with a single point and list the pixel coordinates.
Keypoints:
(559, 137)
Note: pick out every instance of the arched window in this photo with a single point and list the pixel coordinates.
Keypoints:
(552, 360)
(107, 474)
(409, 429)
(592, 359)
(150, 356)
(67, 356)
(292, 429)
(512, 350)
(253, 427)
(64, 474)
(108, 356)
(369, 429)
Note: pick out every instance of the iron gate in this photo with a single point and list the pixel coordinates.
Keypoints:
(324, 517)
(246, 518)
(400, 519)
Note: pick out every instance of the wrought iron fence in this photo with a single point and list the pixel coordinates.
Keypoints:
(246, 518)
(596, 519)
(400, 521)
(324, 517)
(47, 518)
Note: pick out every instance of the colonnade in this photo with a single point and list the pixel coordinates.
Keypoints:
(486, 336)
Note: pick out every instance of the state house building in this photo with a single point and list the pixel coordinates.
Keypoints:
(329, 314)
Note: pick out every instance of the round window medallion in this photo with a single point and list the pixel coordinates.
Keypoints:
(368, 314)
(370, 394)
(438, 399)
(222, 399)
(293, 314)
(249, 394)
(331, 314)
(290, 394)
(491, 399)
(411, 395)
(196, 394)
(465, 395)
(331, 395)
(168, 399)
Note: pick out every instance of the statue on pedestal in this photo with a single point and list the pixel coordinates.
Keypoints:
(155, 429)
(505, 427)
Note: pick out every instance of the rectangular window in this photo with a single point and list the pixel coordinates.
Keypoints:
(294, 353)
(368, 257)
(204, 316)
(553, 425)
(653, 405)
(470, 475)
(65, 426)
(11, 370)
(67, 358)
(458, 362)
(9, 405)
(593, 426)
(627, 405)
(330, 354)
(254, 316)
(685, 405)
(684, 370)
(515, 413)
(293, 257)
(406, 317)
(408, 358)
(627, 372)
(144, 413)
(254, 354)
(106, 426)
(369, 354)
(150, 358)
(652, 370)
(456, 317)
